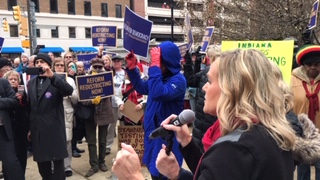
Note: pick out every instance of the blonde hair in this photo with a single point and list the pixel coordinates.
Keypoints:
(107, 57)
(12, 72)
(285, 89)
(212, 52)
(250, 92)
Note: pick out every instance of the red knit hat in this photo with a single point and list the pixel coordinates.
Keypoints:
(306, 52)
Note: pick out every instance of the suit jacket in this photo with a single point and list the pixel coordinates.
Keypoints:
(47, 124)
(8, 102)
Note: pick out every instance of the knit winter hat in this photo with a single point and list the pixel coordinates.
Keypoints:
(308, 54)
(4, 62)
(44, 57)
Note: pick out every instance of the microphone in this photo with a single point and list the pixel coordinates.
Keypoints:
(185, 117)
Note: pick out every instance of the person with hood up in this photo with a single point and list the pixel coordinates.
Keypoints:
(165, 88)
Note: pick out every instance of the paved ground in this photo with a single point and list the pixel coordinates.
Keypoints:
(80, 167)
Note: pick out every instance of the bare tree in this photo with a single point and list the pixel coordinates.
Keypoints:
(253, 19)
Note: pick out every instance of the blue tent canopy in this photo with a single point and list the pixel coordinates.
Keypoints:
(51, 49)
(11, 50)
(83, 49)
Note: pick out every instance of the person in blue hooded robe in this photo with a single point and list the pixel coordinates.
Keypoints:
(165, 88)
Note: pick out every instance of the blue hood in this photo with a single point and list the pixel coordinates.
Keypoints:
(170, 56)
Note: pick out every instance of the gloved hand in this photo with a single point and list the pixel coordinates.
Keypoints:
(96, 100)
(155, 56)
(94, 72)
(131, 60)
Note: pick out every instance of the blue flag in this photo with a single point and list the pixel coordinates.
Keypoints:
(1, 43)
(313, 16)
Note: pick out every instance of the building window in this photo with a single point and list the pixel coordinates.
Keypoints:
(104, 10)
(88, 32)
(36, 3)
(13, 30)
(38, 32)
(119, 33)
(55, 32)
(11, 3)
(54, 6)
(87, 8)
(118, 11)
(71, 9)
(72, 32)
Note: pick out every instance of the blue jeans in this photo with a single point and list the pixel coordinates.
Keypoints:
(304, 171)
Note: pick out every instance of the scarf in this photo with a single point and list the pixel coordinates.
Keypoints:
(313, 101)
(212, 134)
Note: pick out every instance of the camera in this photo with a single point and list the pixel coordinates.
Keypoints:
(34, 70)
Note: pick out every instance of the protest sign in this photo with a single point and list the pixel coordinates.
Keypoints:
(189, 31)
(130, 112)
(206, 38)
(137, 31)
(90, 86)
(1, 43)
(280, 52)
(314, 14)
(111, 54)
(134, 136)
(104, 35)
(183, 49)
(86, 58)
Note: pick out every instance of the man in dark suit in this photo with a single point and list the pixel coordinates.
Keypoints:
(47, 126)
(8, 101)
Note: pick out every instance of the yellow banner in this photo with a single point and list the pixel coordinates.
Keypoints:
(280, 52)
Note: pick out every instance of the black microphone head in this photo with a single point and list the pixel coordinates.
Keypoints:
(186, 116)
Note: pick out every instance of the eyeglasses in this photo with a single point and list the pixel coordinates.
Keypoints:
(57, 65)
(68, 57)
(116, 60)
(97, 67)
(13, 79)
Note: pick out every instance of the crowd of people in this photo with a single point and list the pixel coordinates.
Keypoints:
(249, 123)
(39, 113)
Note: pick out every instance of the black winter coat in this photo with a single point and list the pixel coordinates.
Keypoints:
(8, 102)
(240, 155)
(47, 124)
(190, 69)
(203, 121)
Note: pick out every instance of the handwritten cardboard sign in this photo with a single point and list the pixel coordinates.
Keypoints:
(134, 136)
